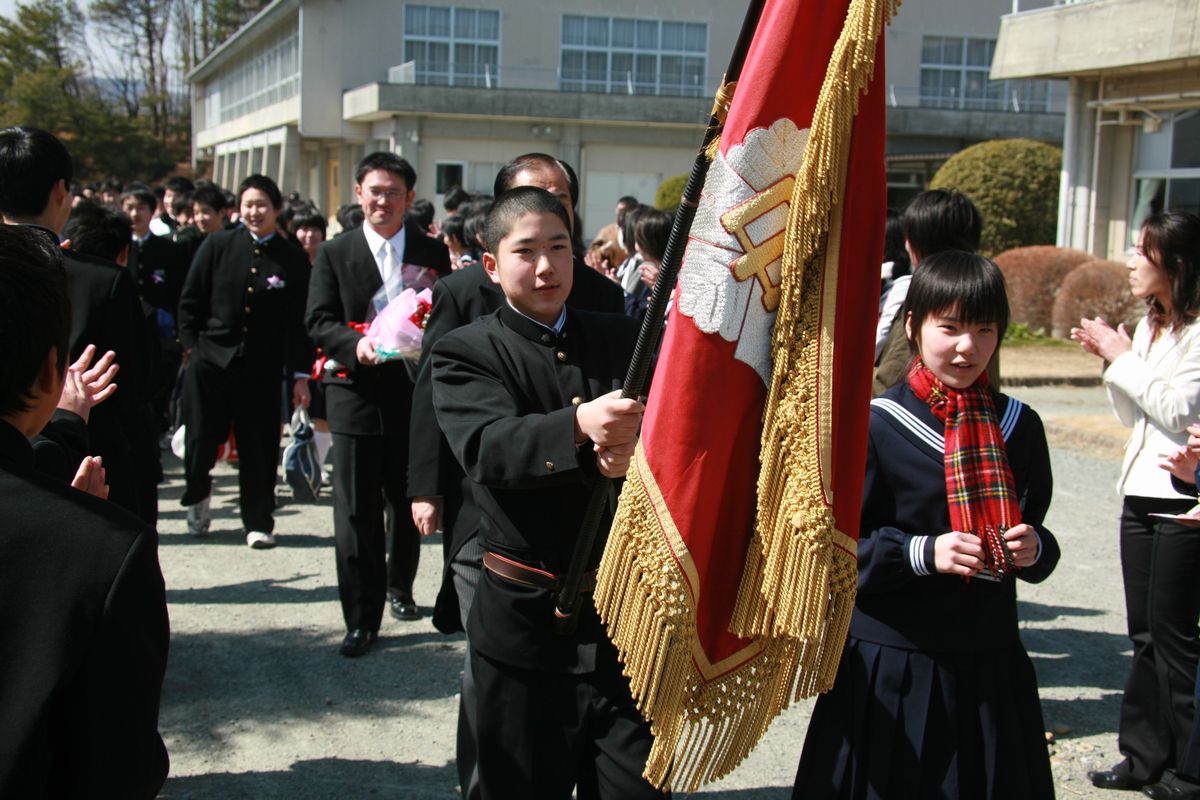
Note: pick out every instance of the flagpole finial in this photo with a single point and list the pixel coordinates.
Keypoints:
(720, 111)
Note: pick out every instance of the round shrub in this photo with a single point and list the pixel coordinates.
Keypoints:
(670, 193)
(1096, 289)
(1033, 276)
(1014, 182)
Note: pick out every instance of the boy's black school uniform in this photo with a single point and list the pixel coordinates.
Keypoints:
(241, 314)
(105, 312)
(970, 694)
(459, 299)
(83, 639)
(553, 710)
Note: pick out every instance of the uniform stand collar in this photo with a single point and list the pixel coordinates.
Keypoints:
(531, 329)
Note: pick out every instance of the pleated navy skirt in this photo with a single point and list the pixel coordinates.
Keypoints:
(907, 724)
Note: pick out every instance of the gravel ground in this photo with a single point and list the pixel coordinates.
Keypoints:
(257, 703)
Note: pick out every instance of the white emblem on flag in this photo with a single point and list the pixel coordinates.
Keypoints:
(729, 281)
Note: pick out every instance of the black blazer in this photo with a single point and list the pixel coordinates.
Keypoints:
(241, 299)
(159, 266)
(373, 400)
(83, 640)
(106, 312)
(505, 390)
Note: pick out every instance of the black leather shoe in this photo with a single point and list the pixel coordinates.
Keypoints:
(1116, 778)
(357, 643)
(404, 608)
(1173, 787)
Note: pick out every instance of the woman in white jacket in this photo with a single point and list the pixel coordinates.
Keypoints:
(1153, 382)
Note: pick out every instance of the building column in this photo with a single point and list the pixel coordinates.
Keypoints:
(1076, 189)
(289, 162)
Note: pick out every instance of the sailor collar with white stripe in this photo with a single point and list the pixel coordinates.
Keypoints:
(936, 441)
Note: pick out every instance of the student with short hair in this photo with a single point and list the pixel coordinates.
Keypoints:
(35, 172)
(934, 221)
(83, 637)
(935, 695)
(241, 322)
(526, 398)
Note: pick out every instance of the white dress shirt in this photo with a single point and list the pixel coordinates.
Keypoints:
(379, 247)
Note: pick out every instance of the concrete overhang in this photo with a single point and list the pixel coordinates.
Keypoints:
(379, 101)
(258, 25)
(974, 125)
(1094, 36)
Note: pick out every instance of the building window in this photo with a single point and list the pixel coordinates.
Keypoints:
(633, 56)
(268, 76)
(1167, 171)
(453, 46)
(448, 175)
(954, 74)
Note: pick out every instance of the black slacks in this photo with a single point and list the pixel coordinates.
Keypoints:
(378, 547)
(248, 399)
(1160, 561)
(541, 734)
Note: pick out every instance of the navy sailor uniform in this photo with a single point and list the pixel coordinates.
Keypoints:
(935, 695)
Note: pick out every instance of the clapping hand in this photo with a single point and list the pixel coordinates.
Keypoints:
(90, 477)
(1100, 339)
(85, 387)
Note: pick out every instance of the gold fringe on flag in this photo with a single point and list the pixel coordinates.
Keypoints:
(798, 587)
(800, 576)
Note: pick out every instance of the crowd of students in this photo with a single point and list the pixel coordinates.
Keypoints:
(221, 313)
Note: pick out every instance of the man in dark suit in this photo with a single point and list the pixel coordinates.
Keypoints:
(241, 323)
(368, 409)
(83, 637)
(35, 172)
(441, 494)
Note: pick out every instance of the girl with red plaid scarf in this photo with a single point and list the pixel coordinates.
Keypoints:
(935, 696)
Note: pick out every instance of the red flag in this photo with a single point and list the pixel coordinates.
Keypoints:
(728, 578)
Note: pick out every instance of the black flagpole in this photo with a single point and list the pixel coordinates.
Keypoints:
(566, 611)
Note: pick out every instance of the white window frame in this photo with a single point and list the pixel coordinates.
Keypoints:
(452, 75)
(1018, 96)
(1167, 174)
(633, 80)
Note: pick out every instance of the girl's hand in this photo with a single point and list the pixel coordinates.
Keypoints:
(958, 553)
(1098, 338)
(1022, 544)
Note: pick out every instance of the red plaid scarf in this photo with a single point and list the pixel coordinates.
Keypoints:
(979, 481)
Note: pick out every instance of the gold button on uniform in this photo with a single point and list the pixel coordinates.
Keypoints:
(576, 400)
(249, 290)
(254, 270)
(247, 309)
(561, 355)
(550, 466)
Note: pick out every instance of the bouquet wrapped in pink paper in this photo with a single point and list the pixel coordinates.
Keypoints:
(399, 327)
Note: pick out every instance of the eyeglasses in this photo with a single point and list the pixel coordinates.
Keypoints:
(383, 194)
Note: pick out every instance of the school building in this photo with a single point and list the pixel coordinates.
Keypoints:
(1131, 141)
(620, 90)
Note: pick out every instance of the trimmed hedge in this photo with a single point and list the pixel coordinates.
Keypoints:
(670, 193)
(1034, 275)
(1014, 183)
(1096, 289)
